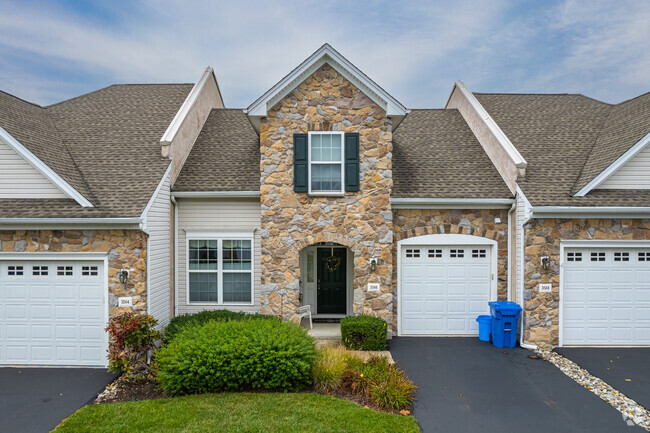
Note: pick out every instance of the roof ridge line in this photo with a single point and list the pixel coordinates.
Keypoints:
(21, 99)
(591, 149)
(632, 99)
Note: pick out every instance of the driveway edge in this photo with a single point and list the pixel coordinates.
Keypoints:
(631, 411)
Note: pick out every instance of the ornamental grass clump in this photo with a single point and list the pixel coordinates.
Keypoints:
(364, 332)
(382, 383)
(331, 365)
(237, 355)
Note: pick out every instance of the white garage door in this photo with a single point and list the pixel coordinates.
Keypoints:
(606, 296)
(443, 288)
(52, 313)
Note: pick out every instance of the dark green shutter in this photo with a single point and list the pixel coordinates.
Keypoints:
(352, 161)
(300, 163)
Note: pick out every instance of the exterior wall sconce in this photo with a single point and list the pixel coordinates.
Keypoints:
(546, 263)
(123, 276)
(373, 265)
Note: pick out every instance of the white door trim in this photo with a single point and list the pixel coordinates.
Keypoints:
(59, 256)
(586, 244)
(446, 239)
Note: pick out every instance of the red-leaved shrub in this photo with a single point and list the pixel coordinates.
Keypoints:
(132, 335)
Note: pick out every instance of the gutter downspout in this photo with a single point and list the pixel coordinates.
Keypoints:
(175, 254)
(512, 208)
(523, 310)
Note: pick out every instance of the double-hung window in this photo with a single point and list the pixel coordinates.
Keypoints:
(220, 270)
(326, 168)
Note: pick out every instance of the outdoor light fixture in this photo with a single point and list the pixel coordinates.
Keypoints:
(546, 262)
(123, 276)
(373, 264)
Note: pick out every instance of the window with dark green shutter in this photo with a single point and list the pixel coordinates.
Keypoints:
(352, 161)
(300, 163)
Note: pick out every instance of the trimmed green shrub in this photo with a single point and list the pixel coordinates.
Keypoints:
(181, 322)
(236, 355)
(330, 366)
(364, 332)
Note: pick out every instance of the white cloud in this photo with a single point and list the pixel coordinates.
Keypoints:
(413, 49)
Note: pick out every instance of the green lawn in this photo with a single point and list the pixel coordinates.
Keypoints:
(235, 412)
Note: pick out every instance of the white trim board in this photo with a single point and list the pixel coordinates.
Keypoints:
(505, 142)
(589, 212)
(327, 54)
(615, 166)
(182, 113)
(447, 239)
(451, 203)
(44, 169)
(215, 194)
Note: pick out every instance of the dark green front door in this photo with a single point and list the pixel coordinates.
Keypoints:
(331, 281)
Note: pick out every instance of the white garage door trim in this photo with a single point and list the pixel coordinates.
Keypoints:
(587, 244)
(56, 256)
(445, 239)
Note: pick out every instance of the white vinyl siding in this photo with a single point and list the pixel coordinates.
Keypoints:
(158, 225)
(634, 174)
(520, 217)
(19, 179)
(218, 216)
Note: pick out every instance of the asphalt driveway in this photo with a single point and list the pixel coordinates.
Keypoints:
(626, 369)
(466, 385)
(34, 400)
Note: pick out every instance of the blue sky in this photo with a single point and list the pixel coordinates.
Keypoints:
(54, 50)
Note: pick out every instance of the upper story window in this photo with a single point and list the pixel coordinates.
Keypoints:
(326, 162)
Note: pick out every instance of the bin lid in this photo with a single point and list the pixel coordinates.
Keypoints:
(505, 307)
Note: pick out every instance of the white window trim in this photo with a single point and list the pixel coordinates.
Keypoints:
(342, 162)
(219, 237)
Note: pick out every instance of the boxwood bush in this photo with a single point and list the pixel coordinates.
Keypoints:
(196, 319)
(236, 355)
(364, 333)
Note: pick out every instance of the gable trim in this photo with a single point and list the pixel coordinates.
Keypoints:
(189, 102)
(615, 166)
(44, 169)
(326, 54)
(491, 124)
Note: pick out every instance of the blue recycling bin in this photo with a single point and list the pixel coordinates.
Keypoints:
(484, 327)
(505, 317)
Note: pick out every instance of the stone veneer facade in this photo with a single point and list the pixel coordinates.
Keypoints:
(362, 220)
(126, 249)
(542, 237)
(408, 223)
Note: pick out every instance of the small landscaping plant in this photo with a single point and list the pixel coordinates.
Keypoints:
(376, 382)
(181, 322)
(385, 384)
(331, 365)
(131, 336)
(364, 332)
(236, 355)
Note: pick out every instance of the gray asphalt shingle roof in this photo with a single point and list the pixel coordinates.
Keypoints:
(436, 155)
(567, 140)
(225, 157)
(106, 144)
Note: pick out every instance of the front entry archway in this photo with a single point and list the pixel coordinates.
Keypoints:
(326, 275)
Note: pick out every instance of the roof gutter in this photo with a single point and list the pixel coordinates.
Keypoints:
(589, 212)
(216, 194)
(62, 223)
(451, 203)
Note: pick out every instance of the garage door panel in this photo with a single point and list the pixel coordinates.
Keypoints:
(606, 302)
(53, 319)
(454, 290)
